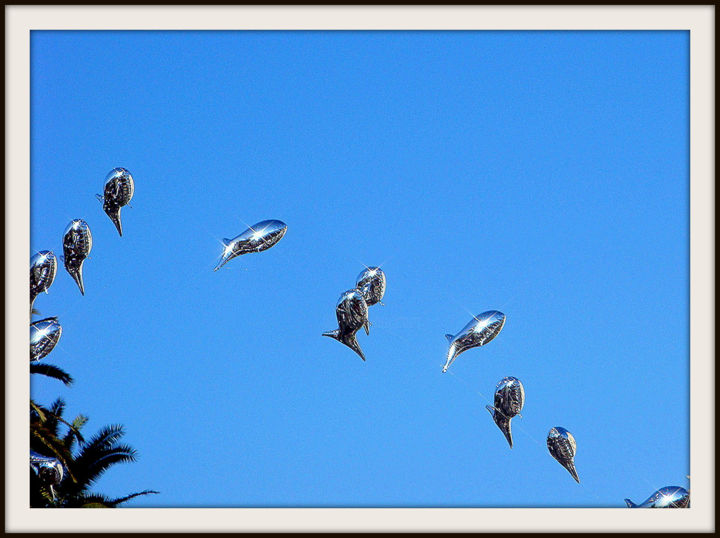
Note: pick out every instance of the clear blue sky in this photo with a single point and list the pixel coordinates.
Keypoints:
(543, 174)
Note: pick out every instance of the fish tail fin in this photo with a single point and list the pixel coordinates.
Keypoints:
(348, 339)
(450, 358)
(507, 431)
(570, 466)
(449, 337)
(78, 278)
(351, 342)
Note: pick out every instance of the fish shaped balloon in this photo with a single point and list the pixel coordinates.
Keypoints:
(562, 447)
(49, 470)
(371, 283)
(44, 335)
(509, 401)
(352, 315)
(479, 331)
(77, 244)
(43, 267)
(118, 190)
(667, 497)
(256, 238)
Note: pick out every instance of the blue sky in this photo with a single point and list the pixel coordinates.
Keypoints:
(543, 174)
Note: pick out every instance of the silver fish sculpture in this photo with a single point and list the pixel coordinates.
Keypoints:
(667, 497)
(352, 315)
(562, 447)
(43, 267)
(49, 470)
(479, 331)
(371, 283)
(509, 401)
(118, 190)
(44, 335)
(256, 238)
(77, 244)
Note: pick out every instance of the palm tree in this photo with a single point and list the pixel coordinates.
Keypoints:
(84, 461)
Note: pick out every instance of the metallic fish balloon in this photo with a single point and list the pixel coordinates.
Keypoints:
(509, 401)
(257, 238)
(481, 330)
(77, 244)
(371, 283)
(44, 335)
(43, 267)
(667, 497)
(562, 447)
(49, 470)
(352, 314)
(117, 192)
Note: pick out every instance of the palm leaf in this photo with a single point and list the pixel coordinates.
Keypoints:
(115, 502)
(39, 411)
(73, 432)
(51, 371)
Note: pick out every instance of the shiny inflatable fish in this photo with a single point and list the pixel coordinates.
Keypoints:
(562, 447)
(509, 401)
(352, 315)
(43, 267)
(77, 244)
(44, 335)
(667, 497)
(117, 192)
(371, 283)
(481, 330)
(49, 470)
(257, 238)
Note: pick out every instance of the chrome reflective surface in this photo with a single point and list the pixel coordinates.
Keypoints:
(117, 192)
(43, 267)
(256, 238)
(49, 470)
(667, 497)
(352, 314)
(562, 447)
(371, 283)
(44, 335)
(479, 331)
(77, 244)
(509, 401)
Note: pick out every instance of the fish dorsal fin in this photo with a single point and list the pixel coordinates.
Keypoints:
(630, 503)
(100, 198)
(449, 337)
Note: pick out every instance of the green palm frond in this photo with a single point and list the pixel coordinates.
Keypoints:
(93, 464)
(115, 502)
(73, 434)
(51, 371)
(38, 410)
(54, 416)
